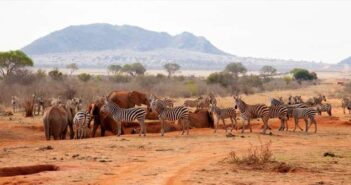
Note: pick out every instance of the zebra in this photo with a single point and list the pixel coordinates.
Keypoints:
(14, 103)
(126, 115)
(165, 101)
(281, 112)
(319, 99)
(81, 124)
(180, 113)
(294, 106)
(324, 108)
(192, 103)
(306, 114)
(213, 100)
(276, 102)
(203, 103)
(223, 114)
(346, 103)
(252, 111)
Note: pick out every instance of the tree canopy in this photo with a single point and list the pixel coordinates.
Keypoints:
(133, 69)
(72, 67)
(171, 68)
(13, 61)
(268, 70)
(303, 74)
(235, 69)
(114, 68)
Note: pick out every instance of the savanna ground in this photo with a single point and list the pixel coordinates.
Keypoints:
(200, 158)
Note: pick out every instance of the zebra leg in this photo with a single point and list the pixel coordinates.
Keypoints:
(286, 124)
(265, 125)
(231, 119)
(142, 127)
(162, 127)
(243, 126)
(119, 128)
(307, 126)
(187, 126)
(315, 125)
(216, 125)
(183, 126)
(296, 123)
(224, 125)
(249, 124)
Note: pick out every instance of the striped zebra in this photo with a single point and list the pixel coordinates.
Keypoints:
(306, 114)
(81, 124)
(192, 103)
(346, 103)
(280, 112)
(319, 99)
(213, 100)
(203, 103)
(165, 101)
(252, 111)
(324, 108)
(223, 114)
(276, 102)
(14, 103)
(125, 115)
(294, 106)
(180, 113)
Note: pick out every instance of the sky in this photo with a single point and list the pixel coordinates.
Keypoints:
(301, 30)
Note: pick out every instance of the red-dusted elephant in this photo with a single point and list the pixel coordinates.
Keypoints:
(124, 99)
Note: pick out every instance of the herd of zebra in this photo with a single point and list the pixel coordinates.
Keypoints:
(295, 108)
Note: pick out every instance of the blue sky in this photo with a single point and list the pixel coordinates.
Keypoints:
(301, 30)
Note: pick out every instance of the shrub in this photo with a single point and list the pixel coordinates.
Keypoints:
(303, 74)
(223, 78)
(120, 78)
(84, 77)
(55, 74)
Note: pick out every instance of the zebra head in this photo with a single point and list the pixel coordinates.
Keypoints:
(156, 105)
(238, 103)
(212, 108)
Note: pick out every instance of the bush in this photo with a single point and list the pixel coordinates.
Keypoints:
(120, 78)
(84, 77)
(303, 74)
(56, 75)
(223, 78)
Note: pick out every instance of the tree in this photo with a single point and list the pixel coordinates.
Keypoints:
(84, 77)
(72, 67)
(268, 71)
(55, 74)
(235, 69)
(41, 74)
(223, 78)
(133, 69)
(303, 74)
(171, 68)
(114, 68)
(13, 61)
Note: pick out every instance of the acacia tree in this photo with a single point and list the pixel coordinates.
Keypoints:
(114, 68)
(171, 68)
(268, 71)
(72, 67)
(133, 69)
(12, 62)
(235, 69)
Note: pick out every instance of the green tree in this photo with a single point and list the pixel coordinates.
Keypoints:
(13, 61)
(114, 69)
(55, 74)
(223, 78)
(72, 67)
(41, 74)
(303, 74)
(235, 69)
(171, 68)
(84, 77)
(268, 71)
(133, 69)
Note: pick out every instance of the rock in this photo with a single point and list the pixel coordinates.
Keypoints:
(49, 147)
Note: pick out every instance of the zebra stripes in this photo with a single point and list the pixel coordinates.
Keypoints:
(324, 108)
(81, 124)
(306, 114)
(223, 114)
(346, 103)
(275, 102)
(180, 113)
(252, 111)
(126, 115)
(281, 112)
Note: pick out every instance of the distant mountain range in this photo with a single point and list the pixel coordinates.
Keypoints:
(99, 45)
(101, 37)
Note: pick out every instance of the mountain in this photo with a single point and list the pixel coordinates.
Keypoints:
(346, 61)
(101, 37)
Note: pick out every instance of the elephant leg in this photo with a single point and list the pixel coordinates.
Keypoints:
(94, 130)
(71, 130)
(102, 129)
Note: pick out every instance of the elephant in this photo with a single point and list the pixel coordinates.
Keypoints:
(56, 119)
(124, 99)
